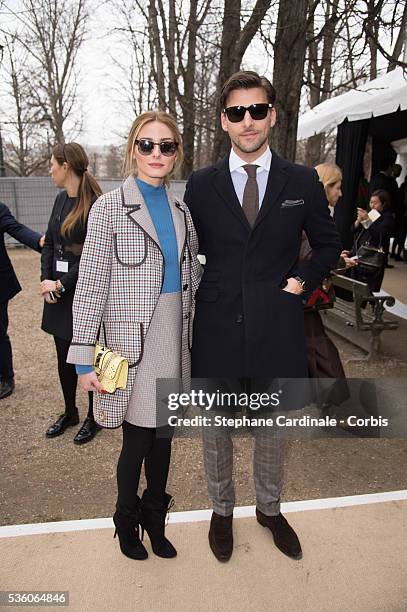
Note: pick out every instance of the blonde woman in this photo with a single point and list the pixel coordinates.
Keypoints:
(322, 355)
(138, 276)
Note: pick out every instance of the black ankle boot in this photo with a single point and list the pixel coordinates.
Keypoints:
(152, 520)
(127, 528)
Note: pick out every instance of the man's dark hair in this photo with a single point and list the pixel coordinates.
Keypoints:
(246, 79)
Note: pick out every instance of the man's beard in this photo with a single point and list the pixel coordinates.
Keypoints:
(251, 148)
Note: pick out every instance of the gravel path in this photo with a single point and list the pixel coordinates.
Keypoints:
(49, 480)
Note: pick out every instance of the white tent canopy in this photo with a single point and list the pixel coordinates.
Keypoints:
(381, 96)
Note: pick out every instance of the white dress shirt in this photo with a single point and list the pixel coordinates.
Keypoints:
(239, 174)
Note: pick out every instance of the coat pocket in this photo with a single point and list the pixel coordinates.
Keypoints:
(130, 249)
(125, 338)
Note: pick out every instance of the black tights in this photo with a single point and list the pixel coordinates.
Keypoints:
(153, 445)
(69, 378)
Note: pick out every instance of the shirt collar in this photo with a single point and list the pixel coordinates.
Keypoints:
(236, 163)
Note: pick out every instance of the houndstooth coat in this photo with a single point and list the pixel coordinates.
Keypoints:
(120, 278)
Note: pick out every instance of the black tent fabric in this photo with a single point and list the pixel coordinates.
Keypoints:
(351, 143)
(350, 149)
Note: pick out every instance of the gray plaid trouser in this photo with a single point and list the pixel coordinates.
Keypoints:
(267, 468)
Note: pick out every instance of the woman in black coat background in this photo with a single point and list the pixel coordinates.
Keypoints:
(376, 234)
(60, 258)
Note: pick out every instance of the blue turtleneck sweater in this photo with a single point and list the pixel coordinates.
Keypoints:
(160, 213)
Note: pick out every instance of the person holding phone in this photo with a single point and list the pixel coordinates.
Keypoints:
(59, 273)
(137, 280)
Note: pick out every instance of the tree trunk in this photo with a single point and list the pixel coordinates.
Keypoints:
(233, 47)
(289, 60)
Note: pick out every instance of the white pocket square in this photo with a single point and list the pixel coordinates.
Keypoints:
(292, 203)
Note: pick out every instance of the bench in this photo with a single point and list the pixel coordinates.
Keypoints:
(361, 320)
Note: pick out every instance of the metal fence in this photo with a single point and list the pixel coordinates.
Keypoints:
(31, 199)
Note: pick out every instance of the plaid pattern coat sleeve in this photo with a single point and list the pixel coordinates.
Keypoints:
(93, 284)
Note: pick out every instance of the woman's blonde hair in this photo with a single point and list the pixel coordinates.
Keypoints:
(329, 174)
(129, 164)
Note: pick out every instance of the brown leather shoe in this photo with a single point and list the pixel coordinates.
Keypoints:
(284, 536)
(221, 536)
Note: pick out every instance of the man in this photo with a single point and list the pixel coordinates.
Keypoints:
(249, 210)
(9, 287)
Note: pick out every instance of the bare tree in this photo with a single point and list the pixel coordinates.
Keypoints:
(26, 148)
(235, 40)
(319, 70)
(52, 32)
(289, 58)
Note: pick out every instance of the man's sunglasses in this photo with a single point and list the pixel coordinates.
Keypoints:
(257, 112)
(146, 146)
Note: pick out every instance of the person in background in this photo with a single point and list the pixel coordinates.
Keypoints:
(403, 233)
(385, 181)
(9, 287)
(140, 266)
(60, 258)
(400, 221)
(375, 233)
(322, 355)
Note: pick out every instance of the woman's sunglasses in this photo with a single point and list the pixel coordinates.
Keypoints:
(257, 112)
(146, 147)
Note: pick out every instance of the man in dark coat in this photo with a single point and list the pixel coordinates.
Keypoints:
(249, 211)
(9, 287)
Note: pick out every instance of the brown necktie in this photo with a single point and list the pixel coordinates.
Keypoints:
(250, 203)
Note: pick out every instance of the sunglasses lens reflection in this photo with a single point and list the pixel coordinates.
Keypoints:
(237, 113)
(146, 147)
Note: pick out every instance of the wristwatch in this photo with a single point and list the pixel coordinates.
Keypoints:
(59, 286)
(301, 282)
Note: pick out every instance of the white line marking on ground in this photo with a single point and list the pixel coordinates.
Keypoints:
(194, 516)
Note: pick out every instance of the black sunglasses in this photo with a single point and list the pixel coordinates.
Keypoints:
(257, 112)
(146, 146)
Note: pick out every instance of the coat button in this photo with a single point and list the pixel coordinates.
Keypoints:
(239, 318)
(185, 287)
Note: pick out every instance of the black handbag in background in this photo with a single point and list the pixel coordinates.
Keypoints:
(371, 257)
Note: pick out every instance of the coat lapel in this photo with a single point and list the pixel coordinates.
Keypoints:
(277, 180)
(138, 211)
(224, 186)
(178, 218)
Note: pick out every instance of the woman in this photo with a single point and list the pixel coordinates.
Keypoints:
(60, 258)
(140, 267)
(374, 233)
(323, 357)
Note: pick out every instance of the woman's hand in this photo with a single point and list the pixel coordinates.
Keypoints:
(47, 298)
(47, 286)
(362, 215)
(348, 261)
(89, 382)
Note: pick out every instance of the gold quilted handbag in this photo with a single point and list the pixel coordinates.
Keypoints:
(112, 369)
